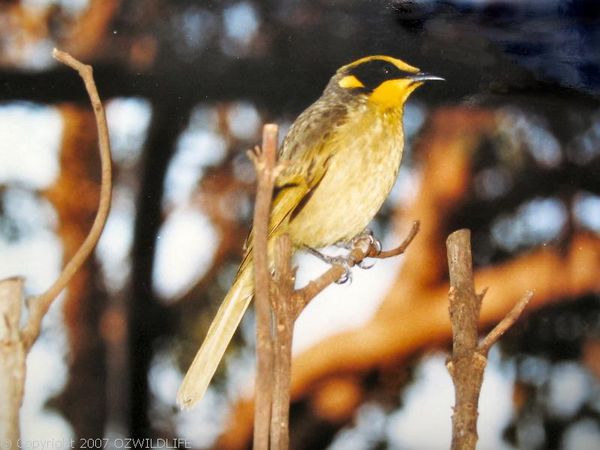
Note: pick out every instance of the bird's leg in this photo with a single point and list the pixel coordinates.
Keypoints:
(343, 261)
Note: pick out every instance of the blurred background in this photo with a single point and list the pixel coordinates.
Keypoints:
(508, 146)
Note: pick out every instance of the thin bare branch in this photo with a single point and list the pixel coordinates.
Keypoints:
(402, 247)
(264, 162)
(504, 324)
(39, 305)
(284, 334)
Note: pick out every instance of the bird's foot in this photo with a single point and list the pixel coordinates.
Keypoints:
(344, 261)
(372, 243)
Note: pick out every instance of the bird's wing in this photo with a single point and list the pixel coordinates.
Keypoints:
(305, 155)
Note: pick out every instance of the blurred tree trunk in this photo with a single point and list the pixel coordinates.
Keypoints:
(147, 318)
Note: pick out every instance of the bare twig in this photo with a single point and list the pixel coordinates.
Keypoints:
(504, 324)
(39, 305)
(264, 162)
(468, 361)
(402, 247)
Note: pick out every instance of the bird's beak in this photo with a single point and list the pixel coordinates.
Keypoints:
(422, 76)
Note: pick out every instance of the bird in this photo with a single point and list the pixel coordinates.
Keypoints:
(339, 161)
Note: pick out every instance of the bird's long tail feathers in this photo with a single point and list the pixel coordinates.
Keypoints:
(217, 339)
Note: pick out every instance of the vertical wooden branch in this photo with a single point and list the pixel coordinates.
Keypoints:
(466, 366)
(285, 316)
(12, 360)
(265, 168)
(468, 361)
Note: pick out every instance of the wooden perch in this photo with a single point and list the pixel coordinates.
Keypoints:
(15, 343)
(264, 162)
(469, 359)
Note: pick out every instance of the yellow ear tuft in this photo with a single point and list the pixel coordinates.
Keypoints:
(349, 82)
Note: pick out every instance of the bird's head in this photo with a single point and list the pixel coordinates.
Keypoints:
(382, 80)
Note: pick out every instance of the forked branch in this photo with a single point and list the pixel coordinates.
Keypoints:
(469, 358)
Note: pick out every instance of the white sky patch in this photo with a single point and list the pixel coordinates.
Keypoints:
(428, 407)
(587, 210)
(241, 22)
(569, 388)
(406, 187)
(202, 424)
(197, 148)
(128, 120)
(115, 243)
(30, 137)
(38, 259)
(164, 378)
(243, 120)
(184, 251)
(414, 116)
(582, 435)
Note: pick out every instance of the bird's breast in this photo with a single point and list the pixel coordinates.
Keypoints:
(361, 173)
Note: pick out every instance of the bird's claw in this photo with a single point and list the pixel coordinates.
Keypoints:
(365, 265)
(374, 243)
(343, 261)
(346, 277)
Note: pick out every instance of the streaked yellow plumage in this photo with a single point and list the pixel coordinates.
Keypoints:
(342, 155)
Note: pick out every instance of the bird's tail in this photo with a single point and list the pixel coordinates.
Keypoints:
(217, 339)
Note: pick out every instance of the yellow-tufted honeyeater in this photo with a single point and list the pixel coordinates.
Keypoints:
(341, 157)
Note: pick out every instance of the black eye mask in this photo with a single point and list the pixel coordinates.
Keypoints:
(372, 73)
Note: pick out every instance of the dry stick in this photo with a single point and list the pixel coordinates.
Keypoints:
(12, 361)
(264, 162)
(283, 289)
(468, 361)
(38, 306)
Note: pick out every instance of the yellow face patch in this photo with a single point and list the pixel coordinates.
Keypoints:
(350, 82)
(392, 93)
